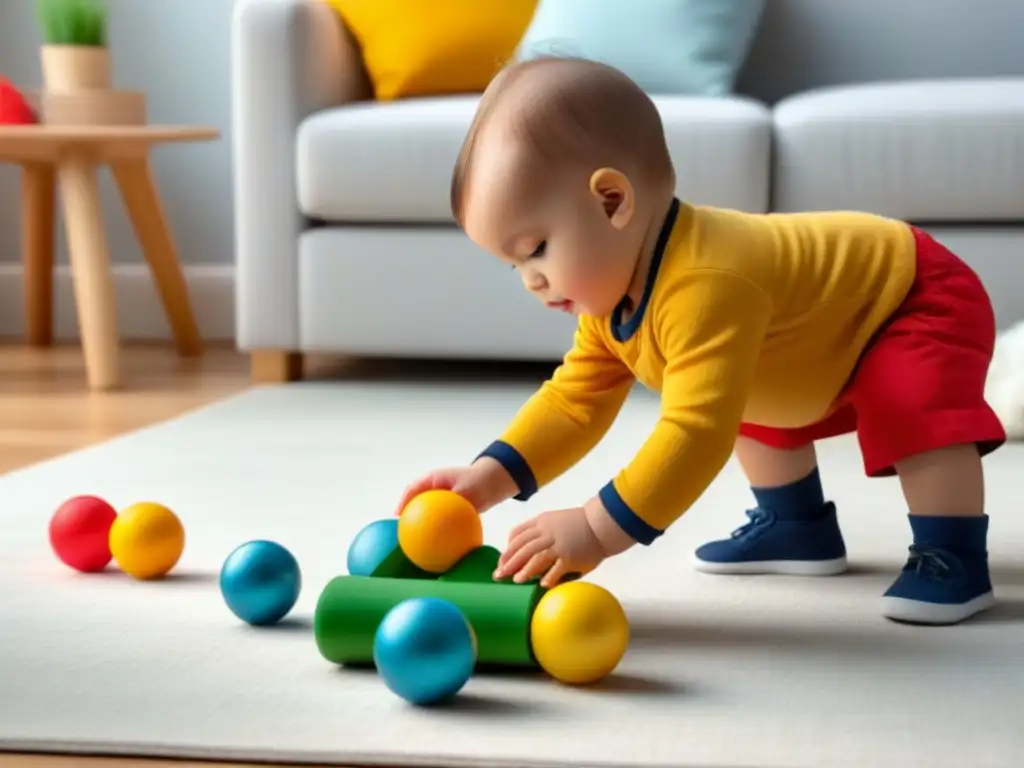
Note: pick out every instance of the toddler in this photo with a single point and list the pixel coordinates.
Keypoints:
(763, 333)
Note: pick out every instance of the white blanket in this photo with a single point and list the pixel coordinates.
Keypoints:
(722, 671)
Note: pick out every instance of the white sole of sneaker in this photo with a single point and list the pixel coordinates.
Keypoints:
(917, 612)
(775, 567)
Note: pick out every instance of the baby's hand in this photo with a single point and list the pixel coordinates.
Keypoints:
(483, 484)
(554, 544)
(446, 479)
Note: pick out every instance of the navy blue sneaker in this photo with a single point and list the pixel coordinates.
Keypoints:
(768, 544)
(938, 586)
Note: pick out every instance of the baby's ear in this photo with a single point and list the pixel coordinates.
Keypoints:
(616, 194)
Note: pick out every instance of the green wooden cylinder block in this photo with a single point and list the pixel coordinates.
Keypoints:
(350, 609)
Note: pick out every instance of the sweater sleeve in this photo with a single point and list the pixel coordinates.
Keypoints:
(710, 327)
(567, 416)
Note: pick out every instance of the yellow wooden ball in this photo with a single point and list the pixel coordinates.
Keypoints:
(579, 632)
(437, 529)
(147, 540)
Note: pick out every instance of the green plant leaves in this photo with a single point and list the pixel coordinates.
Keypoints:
(73, 22)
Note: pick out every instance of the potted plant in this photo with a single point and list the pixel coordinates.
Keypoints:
(74, 51)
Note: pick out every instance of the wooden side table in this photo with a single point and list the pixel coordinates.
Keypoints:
(66, 157)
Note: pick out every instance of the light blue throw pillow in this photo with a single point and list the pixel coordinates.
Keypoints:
(693, 47)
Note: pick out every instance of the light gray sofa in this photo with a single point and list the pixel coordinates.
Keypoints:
(345, 243)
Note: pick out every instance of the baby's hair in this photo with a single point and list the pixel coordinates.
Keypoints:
(576, 112)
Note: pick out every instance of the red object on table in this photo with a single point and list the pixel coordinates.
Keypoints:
(14, 108)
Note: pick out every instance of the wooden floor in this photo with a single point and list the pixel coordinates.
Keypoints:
(46, 410)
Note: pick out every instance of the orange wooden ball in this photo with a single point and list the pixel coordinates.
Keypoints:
(437, 529)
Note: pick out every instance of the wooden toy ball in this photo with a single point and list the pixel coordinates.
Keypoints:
(371, 546)
(80, 533)
(147, 540)
(437, 529)
(260, 582)
(579, 632)
(425, 650)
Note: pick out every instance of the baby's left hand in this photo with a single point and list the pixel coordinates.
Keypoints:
(554, 544)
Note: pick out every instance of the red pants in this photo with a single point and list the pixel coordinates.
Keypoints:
(920, 384)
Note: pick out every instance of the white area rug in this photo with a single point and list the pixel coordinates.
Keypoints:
(722, 671)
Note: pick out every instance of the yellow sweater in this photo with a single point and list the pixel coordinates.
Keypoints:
(745, 317)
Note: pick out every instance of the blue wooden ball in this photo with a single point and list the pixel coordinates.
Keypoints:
(260, 582)
(425, 650)
(371, 545)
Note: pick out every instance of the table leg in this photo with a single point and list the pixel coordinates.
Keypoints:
(142, 200)
(90, 267)
(37, 201)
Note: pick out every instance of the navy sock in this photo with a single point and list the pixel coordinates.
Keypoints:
(960, 534)
(801, 500)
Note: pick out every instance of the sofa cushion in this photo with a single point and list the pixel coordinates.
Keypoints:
(377, 162)
(667, 46)
(417, 48)
(928, 150)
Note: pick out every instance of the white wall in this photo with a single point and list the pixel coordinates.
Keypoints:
(178, 51)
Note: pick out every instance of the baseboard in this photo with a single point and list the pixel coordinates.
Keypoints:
(140, 315)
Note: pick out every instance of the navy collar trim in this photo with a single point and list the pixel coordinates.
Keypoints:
(623, 331)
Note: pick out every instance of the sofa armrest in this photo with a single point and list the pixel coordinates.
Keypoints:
(290, 58)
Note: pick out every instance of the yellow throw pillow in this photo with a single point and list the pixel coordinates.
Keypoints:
(434, 47)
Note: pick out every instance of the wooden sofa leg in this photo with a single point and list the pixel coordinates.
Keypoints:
(273, 366)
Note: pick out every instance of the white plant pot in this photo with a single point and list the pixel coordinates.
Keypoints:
(69, 68)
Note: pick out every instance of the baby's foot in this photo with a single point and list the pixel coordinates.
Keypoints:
(939, 586)
(808, 546)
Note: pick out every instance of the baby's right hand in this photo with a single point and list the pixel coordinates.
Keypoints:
(446, 479)
(483, 484)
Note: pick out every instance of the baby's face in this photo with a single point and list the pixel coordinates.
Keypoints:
(550, 228)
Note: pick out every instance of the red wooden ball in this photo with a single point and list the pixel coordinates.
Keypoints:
(80, 533)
